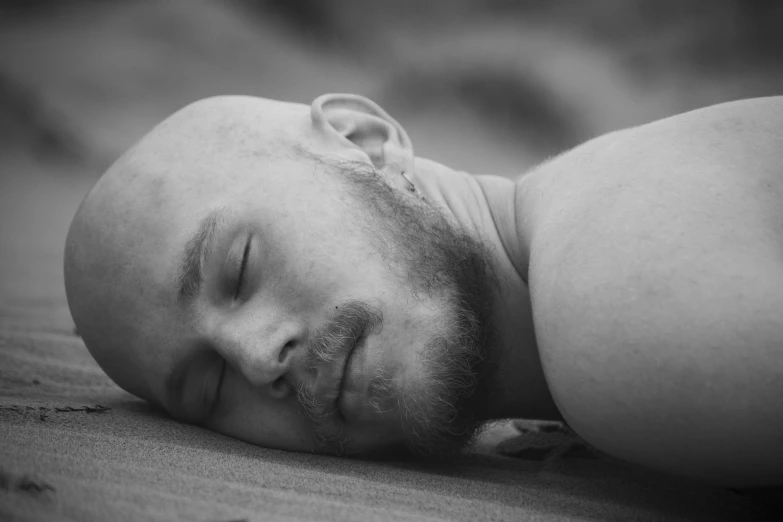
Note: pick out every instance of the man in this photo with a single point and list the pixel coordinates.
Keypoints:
(297, 278)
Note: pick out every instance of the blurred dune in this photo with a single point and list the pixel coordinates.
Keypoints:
(486, 86)
(110, 71)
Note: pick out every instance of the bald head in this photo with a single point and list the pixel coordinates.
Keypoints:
(129, 224)
(126, 242)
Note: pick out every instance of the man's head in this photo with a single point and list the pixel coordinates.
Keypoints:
(260, 268)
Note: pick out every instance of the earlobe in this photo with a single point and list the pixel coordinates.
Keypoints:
(358, 125)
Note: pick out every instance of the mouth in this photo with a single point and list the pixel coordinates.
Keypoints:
(330, 360)
(342, 377)
(332, 374)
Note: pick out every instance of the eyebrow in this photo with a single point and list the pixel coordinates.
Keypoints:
(191, 270)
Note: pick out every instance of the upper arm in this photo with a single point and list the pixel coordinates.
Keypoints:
(681, 371)
(657, 288)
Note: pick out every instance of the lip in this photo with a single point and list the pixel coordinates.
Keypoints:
(331, 377)
(343, 377)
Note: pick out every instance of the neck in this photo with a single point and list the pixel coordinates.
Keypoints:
(486, 205)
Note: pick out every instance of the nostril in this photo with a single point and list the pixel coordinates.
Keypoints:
(284, 352)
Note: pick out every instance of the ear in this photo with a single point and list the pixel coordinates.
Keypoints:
(363, 130)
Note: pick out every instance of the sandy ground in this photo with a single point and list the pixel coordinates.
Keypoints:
(73, 446)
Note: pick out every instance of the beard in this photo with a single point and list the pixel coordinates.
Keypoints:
(434, 258)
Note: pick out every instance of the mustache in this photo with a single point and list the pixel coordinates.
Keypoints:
(349, 323)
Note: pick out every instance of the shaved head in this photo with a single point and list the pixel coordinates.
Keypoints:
(114, 280)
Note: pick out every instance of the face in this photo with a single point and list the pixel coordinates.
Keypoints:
(299, 303)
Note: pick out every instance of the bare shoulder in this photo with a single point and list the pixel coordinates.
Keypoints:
(764, 112)
(656, 275)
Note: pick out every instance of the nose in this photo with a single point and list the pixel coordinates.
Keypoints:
(263, 347)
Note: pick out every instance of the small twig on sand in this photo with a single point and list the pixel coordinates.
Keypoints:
(87, 409)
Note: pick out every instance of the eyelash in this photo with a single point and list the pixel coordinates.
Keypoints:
(242, 267)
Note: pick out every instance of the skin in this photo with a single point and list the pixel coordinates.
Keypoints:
(639, 296)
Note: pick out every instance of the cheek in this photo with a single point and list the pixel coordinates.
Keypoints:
(409, 324)
(311, 256)
(333, 232)
(321, 277)
(268, 422)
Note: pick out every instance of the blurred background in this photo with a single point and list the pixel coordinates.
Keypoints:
(488, 86)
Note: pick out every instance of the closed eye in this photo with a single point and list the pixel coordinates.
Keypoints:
(242, 267)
